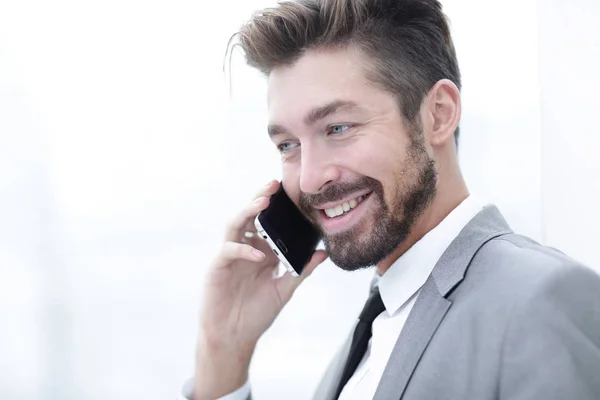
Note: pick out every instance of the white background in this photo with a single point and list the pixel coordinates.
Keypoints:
(124, 148)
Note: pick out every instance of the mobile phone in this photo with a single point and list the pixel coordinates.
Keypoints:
(291, 236)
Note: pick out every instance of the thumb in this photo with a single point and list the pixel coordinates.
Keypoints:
(288, 283)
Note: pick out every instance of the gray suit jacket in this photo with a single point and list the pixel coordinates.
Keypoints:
(501, 317)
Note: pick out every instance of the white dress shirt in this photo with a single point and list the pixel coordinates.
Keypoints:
(399, 288)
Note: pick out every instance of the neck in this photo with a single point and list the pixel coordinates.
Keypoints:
(448, 197)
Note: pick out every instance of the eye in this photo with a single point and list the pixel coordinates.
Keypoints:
(286, 146)
(338, 129)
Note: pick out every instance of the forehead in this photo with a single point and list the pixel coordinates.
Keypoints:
(317, 78)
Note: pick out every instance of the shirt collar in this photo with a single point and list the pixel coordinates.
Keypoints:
(409, 272)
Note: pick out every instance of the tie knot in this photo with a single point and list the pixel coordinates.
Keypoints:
(373, 307)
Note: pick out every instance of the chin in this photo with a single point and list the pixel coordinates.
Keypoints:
(364, 247)
(352, 254)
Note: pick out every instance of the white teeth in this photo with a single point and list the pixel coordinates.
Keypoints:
(344, 207)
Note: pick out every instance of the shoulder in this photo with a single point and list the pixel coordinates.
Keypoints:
(526, 265)
(514, 275)
(526, 279)
(544, 305)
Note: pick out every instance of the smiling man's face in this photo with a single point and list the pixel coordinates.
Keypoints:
(350, 161)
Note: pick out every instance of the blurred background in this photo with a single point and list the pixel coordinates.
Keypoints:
(124, 148)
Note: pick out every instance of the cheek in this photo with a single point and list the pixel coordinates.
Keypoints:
(373, 160)
(291, 182)
(383, 162)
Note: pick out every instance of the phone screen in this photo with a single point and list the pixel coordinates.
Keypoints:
(294, 235)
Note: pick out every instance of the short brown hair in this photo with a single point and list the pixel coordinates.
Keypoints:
(407, 42)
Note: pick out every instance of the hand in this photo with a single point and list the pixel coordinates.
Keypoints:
(242, 298)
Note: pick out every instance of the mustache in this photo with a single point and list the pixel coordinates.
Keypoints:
(336, 192)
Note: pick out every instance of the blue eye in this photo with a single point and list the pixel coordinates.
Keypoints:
(337, 129)
(286, 146)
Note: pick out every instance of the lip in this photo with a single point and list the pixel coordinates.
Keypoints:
(332, 204)
(346, 220)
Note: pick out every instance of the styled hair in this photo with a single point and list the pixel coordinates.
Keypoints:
(406, 44)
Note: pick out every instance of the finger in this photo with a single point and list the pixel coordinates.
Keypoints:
(288, 283)
(268, 190)
(238, 251)
(245, 218)
(249, 234)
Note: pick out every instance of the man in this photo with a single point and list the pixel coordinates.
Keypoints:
(364, 107)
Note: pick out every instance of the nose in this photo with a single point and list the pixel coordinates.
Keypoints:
(317, 169)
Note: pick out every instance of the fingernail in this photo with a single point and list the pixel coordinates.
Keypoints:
(258, 254)
(258, 200)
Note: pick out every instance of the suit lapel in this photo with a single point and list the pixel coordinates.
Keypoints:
(432, 304)
(329, 383)
(426, 315)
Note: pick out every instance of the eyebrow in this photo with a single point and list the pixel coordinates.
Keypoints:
(322, 112)
(316, 115)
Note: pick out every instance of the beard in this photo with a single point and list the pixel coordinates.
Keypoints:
(358, 247)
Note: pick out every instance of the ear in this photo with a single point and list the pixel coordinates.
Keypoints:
(443, 112)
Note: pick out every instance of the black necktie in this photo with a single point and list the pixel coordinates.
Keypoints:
(362, 334)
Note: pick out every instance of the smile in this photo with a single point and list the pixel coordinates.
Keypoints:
(345, 207)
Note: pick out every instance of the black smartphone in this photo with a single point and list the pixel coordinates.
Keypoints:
(291, 236)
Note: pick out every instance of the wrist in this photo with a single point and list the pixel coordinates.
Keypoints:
(221, 367)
